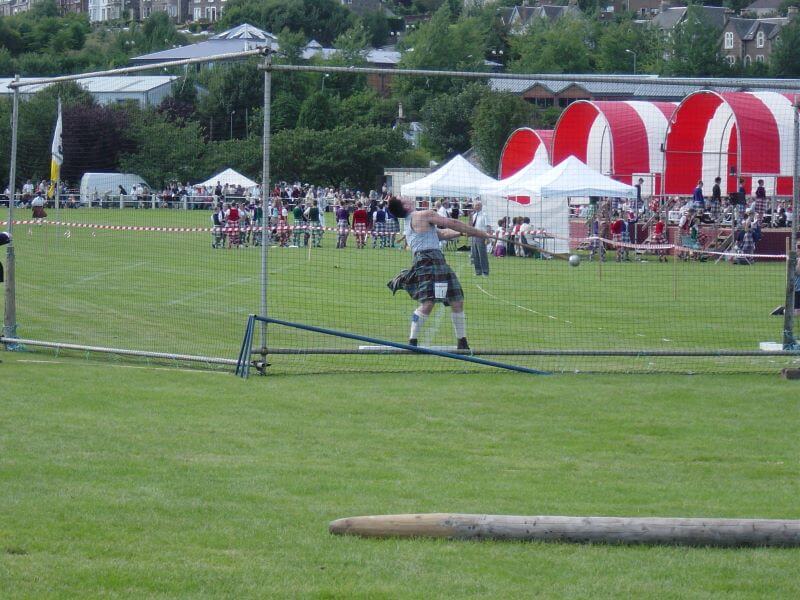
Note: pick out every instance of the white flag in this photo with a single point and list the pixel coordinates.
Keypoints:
(57, 152)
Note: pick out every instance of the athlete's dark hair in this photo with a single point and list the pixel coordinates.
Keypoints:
(396, 208)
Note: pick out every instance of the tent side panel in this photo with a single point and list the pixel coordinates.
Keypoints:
(572, 131)
(631, 152)
(519, 150)
(685, 141)
(758, 134)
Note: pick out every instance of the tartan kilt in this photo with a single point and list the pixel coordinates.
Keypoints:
(429, 267)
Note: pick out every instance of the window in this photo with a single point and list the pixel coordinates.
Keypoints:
(731, 60)
(728, 40)
(173, 10)
(760, 58)
(211, 13)
(198, 13)
(760, 39)
(747, 60)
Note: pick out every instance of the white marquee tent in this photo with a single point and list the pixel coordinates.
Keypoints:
(537, 167)
(229, 177)
(544, 198)
(458, 178)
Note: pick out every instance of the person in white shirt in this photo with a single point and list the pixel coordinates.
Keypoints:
(478, 254)
(525, 229)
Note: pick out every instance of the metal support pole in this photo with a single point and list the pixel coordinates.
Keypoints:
(789, 341)
(10, 314)
(265, 188)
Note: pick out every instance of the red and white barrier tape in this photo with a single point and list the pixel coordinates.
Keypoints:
(289, 229)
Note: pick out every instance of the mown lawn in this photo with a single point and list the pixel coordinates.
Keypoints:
(131, 481)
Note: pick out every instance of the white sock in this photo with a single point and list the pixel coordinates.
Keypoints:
(417, 321)
(459, 324)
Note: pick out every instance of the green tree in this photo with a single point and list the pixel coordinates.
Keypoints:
(321, 20)
(694, 47)
(560, 47)
(242, 155)
(366, 108)
(496, 116)
(163, 150)
(233, 90)
(618, 41)
(440, 44)
(447, 120)
(284, 111)
(353, 156)
(318, 112)
(377, 27)
(785, 59)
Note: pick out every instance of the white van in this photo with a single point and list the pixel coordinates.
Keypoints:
(97, 186)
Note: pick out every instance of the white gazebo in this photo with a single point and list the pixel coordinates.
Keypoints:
(545, 198)
(229, 177)
(457, 178)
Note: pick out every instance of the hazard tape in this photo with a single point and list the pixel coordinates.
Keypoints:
(288, 229)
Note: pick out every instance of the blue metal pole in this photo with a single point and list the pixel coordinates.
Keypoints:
(401, 346)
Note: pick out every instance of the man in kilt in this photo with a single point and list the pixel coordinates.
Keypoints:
(430, 279)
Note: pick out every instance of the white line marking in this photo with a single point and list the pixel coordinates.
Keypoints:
(208, 291)
(106, 273)
(507, 302)
(44, 362)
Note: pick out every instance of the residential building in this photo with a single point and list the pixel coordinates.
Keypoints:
(145, 90)
(763, 8)
(748, 41)
(643, 9)
(101, 11)
(178, 10)
(518, 19)
(247, 37)
(73, 6)
(669, 17)
(205, 10)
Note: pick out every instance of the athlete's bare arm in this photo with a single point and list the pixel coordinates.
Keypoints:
(431, 219)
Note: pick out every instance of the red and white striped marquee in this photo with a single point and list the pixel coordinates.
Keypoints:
(522, 146)
(621, 138)
(729, 135)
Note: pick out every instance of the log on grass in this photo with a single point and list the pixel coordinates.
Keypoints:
(609, 530)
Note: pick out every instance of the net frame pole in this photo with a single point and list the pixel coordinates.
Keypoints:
(789, 341)
(266, 146)
(708, 82)
(10, 312)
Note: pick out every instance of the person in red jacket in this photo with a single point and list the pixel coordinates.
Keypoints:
(617, 233)
(232, 222)
(660, 238)
(360, 221)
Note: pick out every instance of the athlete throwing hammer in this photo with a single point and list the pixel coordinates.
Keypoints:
(430, 279)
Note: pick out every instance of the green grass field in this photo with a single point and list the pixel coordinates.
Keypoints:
(128, 481)
(170, 292)
(132, 478)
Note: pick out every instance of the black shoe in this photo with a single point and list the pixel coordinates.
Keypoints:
(462, 344)
(412, 342)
